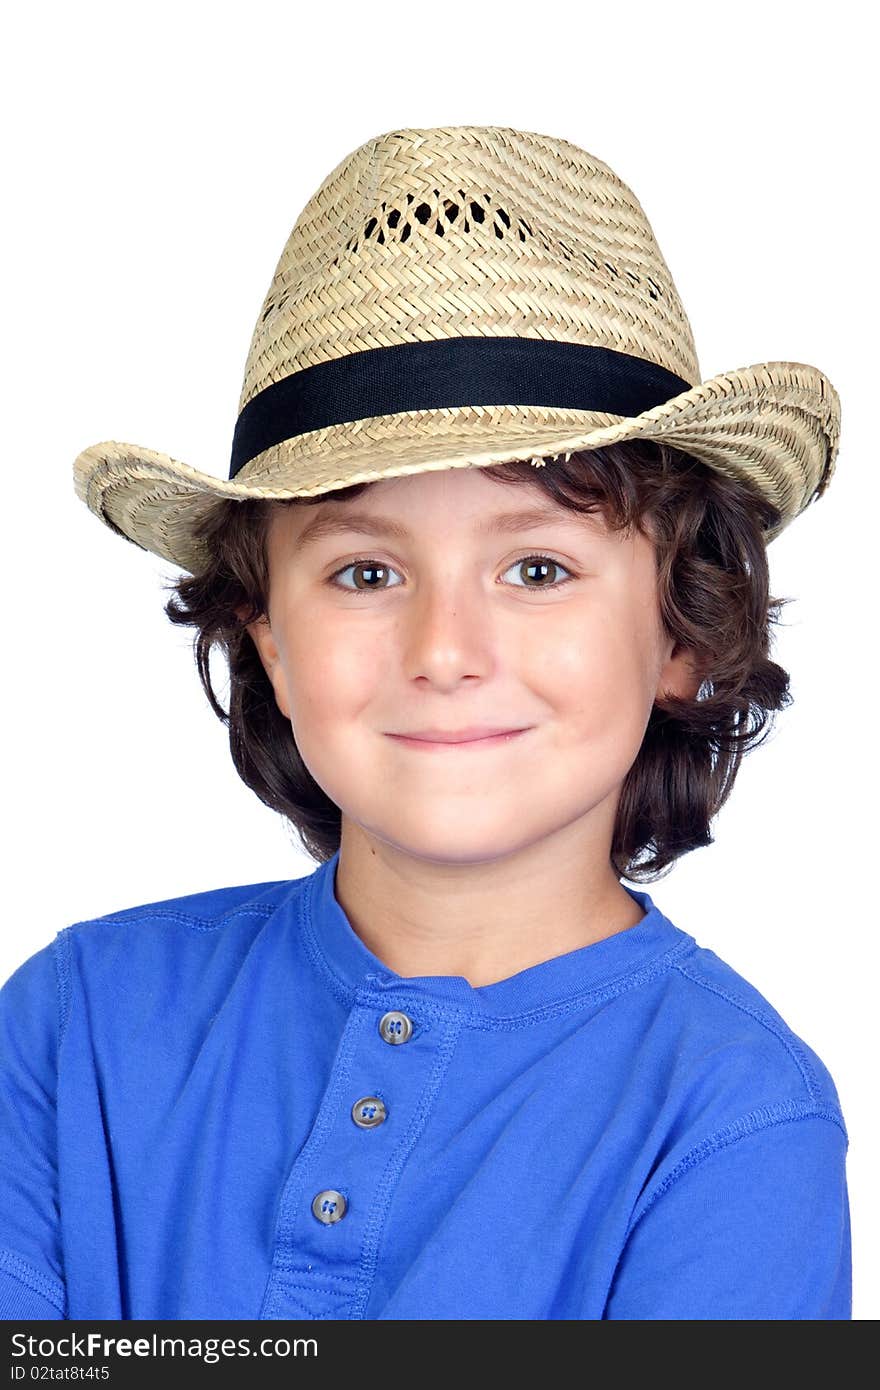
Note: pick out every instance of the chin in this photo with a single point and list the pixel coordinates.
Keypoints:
(457, 844)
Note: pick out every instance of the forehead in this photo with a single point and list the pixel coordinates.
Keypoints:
(382, 517)
(382, 523)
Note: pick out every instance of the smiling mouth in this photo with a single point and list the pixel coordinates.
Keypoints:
(493, 740)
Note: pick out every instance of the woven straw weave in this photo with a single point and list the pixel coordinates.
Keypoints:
(421, 235)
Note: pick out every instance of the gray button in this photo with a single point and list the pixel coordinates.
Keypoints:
(368, 1112)
(395, 1027)
(329, 1206)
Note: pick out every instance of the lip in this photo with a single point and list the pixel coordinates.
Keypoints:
(463, 738)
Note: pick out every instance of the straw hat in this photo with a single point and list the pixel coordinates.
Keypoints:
(460, 297)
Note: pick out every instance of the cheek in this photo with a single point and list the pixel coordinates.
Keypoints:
(593, 669)
(331, 679)
(332, 673)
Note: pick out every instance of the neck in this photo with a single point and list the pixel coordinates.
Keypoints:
(483, 920)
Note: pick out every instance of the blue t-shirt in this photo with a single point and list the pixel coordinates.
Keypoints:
(225, 1106)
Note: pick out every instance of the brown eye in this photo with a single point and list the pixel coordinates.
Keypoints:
(373, 572)
(540, 569)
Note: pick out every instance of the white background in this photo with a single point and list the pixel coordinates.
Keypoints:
(155, 159)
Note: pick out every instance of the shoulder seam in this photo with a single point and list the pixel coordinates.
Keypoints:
(765, 1117)
(788, 1040)
(186, 919)
(61, 953)
(47, 1286)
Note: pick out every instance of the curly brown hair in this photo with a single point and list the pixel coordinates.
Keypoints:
(708, 532)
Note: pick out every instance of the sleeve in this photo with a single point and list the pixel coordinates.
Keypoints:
(31, 1270)
(755, 1227)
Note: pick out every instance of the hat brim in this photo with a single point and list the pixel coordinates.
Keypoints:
(774, 426)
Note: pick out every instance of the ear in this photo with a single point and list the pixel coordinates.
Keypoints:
(680, 675)
(267, 650)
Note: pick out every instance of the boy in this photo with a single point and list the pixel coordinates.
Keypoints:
(458, 1071)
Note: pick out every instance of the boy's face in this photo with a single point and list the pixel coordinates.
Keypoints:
(450, 629)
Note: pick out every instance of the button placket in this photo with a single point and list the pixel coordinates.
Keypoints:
(298, 1285)
(395, 1027)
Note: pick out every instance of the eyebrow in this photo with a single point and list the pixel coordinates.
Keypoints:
(364, 523)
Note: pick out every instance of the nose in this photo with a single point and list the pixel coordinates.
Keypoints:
(448, 632)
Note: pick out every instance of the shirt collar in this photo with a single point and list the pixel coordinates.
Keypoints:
(557, 981)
